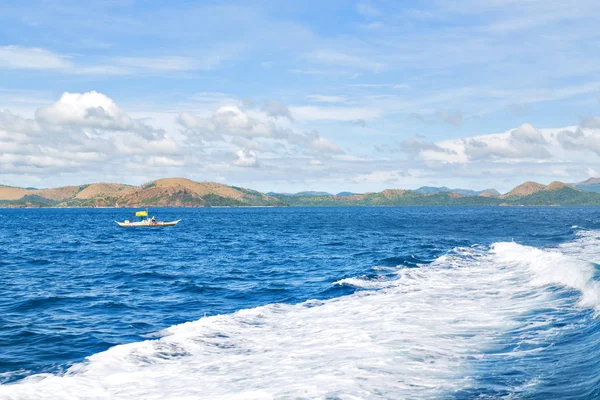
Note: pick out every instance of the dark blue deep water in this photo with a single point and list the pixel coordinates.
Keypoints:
(503, 301)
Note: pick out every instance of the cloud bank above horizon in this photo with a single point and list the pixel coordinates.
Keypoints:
(358, 97)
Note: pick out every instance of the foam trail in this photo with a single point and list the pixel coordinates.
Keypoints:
(365, 283)
(585, 247)
(418, 337)
(552, 268)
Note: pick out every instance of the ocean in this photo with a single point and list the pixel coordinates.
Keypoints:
(301, 303)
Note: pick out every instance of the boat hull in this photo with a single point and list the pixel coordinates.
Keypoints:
(147, 224)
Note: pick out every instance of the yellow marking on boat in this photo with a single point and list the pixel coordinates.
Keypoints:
(141, 214)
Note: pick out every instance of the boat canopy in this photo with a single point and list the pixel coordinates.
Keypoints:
(141, 213)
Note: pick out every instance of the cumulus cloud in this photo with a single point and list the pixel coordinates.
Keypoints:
(324, 146)
(580, 139)
(415, 146)
(276, 109)
(89, 133)
(525, 142)
(526, 133)
(250, 132)
(391, 177)
(570, 154)
(10, 122)
(92, 110)
(80, 131)
(251, 144)
(227, 120)
(231, 120)
(590, 122)
(518, 154)
(246, 158)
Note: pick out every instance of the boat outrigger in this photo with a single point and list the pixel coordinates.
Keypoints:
(145, 221)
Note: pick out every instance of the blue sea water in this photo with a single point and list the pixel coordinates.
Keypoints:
(389, 303)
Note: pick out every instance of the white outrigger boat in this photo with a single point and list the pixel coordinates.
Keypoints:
(146, 222)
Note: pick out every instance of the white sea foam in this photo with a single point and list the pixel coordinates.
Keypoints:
(364, 282)
(417, 338)
(553, 268)
(585, 247)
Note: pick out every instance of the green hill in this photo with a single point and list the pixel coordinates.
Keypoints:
(180, 192)
(171, 192)
(565, 196)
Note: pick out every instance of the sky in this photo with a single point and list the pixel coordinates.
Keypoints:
(289, 96)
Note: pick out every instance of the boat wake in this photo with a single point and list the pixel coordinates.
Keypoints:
(476, 321)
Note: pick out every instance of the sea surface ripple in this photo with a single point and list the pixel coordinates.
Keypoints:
(269, 303)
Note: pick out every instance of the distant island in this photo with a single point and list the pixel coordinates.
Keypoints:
(181, 192)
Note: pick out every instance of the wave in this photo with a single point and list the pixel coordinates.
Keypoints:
(364, 282)
(553, 268)
(433, 331)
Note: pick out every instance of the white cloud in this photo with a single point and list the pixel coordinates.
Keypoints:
(245, 130)
(246, 158)
(393, 177)
(250, 144)
(367, 9)
(127, 144)
(326, 99)
(17, 57)
(160, 63)
(359, 122)
(312, 113)
(415, 146)
(317, 72)
(322, 145)
(92, 110)
(276, 109)
(590, 122)
(101, 70)
(89, 132)
(455, 118)
(525, 142)
(231, 120)
(81, 132)
(170, 63)
(10, 122)
(31, 58)
(332, 57)
(527, 134)
(580, 140)
(227, 120)
(161, 161)
(380, 86)
(452, 118)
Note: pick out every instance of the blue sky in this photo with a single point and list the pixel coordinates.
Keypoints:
(290, 96)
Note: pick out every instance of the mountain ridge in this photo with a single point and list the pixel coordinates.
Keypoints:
(161, 192)
(183, 192)
(464, 192)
